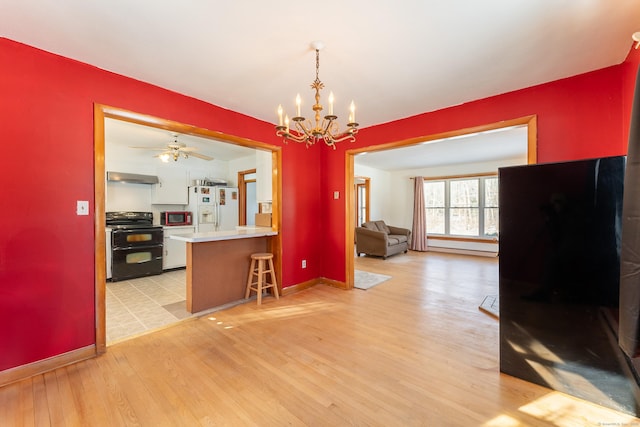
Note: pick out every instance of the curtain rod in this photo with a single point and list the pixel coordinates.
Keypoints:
(470, 175)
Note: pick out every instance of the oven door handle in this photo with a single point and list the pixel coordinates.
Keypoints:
(139, 230)
(128, 248)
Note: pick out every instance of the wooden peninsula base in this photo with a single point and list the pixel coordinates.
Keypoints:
(218, 265)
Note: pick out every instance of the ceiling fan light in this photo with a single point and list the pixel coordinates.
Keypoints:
(164, 157)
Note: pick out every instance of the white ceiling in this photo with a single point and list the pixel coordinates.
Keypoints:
(394, 58)
(491, 146)
(120, 136)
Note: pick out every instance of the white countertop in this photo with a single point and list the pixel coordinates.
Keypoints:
(239, 233)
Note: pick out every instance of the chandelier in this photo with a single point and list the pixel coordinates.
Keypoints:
(325, 129)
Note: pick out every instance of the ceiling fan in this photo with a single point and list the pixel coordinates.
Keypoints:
(176, 150)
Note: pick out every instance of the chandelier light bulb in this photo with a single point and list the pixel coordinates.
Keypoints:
(352, 113)
(298, 102)
(280, 115)
(636, 38)
(331, 103)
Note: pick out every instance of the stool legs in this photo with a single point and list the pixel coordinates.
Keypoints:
(259, 271)
(274, 284)
(252, 270)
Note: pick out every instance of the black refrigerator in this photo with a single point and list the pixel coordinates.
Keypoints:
(560, 242)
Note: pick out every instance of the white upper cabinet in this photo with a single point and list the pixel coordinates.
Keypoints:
(172, 188)
(263, 176)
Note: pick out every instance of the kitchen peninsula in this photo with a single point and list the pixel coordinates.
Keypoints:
(218, 264)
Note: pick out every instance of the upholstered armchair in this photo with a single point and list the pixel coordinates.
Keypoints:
(380, 239)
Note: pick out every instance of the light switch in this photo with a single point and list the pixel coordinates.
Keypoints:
(336, 195)
(82, 207)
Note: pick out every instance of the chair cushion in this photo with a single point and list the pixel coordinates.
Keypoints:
(382, 226)
(400, 238)
(392, 240)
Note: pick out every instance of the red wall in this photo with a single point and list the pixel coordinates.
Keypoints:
(46, 120)
(581, 117)
(46, 251)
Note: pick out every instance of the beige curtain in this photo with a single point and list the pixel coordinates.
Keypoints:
(419, 228)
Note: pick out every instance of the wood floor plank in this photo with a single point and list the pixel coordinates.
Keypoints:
(25, 407)
(41, 404)
(54, 400)
(67, 402)
(80, 384)
(12, 405)
(412, 351)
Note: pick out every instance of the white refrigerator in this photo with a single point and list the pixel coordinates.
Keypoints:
(214, 208)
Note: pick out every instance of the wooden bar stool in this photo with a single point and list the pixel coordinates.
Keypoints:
(259, 271)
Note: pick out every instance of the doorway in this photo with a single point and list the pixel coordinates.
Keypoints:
(362, 198)
(351, 211)
(101, 112)
(247, 190)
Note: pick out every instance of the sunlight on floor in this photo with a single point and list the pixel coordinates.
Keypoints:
(289, 311)
(502, 421)
(562, 410)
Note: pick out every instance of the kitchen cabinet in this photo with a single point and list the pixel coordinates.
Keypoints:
(172, 188)
(263, 176)
(175, 251)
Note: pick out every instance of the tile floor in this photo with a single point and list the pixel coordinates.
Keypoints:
(139, 305)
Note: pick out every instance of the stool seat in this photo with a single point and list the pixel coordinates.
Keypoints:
(257, 280)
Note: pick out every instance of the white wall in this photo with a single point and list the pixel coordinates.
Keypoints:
(237, 165)
(128, 197)
(380, 187)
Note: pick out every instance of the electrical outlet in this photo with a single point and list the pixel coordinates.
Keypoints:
(304, 263)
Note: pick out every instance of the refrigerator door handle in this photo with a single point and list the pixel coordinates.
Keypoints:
(217, 216)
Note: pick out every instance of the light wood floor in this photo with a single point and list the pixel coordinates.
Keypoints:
(412, 351)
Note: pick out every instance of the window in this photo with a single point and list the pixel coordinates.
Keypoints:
(435, 203)
(462, 206)
(491, 207)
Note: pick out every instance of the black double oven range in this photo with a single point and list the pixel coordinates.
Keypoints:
(136, 245)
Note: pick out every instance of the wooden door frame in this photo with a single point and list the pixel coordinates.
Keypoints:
(532, 156)
(242, 194)
(100, 113)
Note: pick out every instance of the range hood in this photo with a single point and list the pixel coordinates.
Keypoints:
(132, 178)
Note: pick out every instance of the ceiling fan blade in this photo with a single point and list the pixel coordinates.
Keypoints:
(200, 156)
(188, 149)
